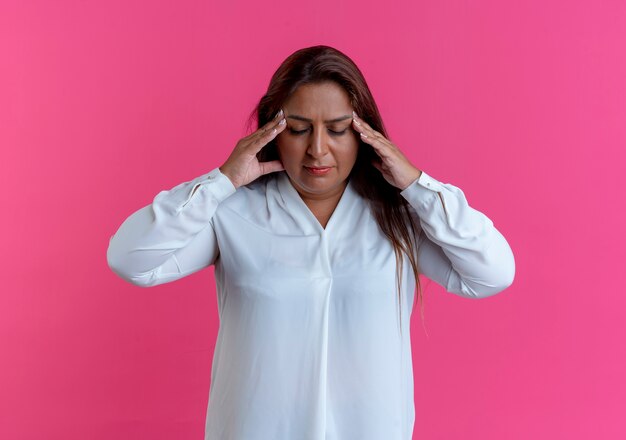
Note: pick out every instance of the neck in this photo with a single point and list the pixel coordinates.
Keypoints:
(330, 196)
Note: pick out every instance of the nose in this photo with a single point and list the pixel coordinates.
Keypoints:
(318, 147)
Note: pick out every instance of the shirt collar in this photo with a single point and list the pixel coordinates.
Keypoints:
(303, 215)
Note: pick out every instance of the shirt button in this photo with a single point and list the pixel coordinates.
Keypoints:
(428, 183)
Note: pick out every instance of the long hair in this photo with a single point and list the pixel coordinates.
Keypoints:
(318, 64)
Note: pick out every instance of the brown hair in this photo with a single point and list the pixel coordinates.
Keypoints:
(317, 64)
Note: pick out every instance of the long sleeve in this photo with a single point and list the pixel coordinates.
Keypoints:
(459, 247)
(173, 237)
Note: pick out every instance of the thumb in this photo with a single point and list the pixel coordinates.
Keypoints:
(377, 165)
(271, 166)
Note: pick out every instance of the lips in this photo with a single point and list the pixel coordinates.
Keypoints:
(317, 170)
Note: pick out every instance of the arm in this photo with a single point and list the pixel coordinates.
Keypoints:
(173, 237)
(459, 247)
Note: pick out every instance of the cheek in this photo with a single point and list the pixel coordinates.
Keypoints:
(349, 154)
(289, 153)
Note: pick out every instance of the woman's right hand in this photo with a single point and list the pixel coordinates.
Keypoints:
(242, 166)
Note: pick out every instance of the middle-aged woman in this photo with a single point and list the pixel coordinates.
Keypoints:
(309, 223)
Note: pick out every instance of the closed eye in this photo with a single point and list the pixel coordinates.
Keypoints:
(334, 133)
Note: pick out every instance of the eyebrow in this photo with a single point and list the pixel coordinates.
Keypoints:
(302, 118)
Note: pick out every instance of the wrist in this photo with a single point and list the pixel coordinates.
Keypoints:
(412, 179)
(227, 174)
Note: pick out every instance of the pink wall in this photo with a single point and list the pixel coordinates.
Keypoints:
(104, 104)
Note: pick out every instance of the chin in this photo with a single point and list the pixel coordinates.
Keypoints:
(319, 184)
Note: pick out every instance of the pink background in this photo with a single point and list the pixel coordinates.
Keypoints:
(104, 104)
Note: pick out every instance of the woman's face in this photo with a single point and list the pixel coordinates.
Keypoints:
(311, 140)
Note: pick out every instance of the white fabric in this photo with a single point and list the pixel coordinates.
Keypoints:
(309, 343)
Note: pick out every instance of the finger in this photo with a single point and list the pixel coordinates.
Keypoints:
(267, 127)
(377, 165)
(362, 125)
(364, 129)
(271, 166)
(276, 128)
(264, 138)
(273, 122)
(368, 132)
(380, 144)
(272, 127)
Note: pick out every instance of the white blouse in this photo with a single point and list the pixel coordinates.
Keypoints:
(309, 343)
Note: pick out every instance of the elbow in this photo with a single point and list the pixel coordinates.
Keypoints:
(115, 261)
(503, 273)
(501, 285)
(509, 275)
(141, 280)
(501, 279)
(506, 271)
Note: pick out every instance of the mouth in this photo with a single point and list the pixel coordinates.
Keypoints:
(317, 171)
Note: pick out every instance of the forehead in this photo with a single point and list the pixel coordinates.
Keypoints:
(318, 100)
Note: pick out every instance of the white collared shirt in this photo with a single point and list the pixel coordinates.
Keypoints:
(309, 343)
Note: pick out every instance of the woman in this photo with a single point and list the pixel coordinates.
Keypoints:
(309, 223)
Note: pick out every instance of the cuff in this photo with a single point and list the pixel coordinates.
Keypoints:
(422, 188)
(221, 186)
(217, 184)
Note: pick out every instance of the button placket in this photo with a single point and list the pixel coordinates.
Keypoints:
(445, 211)
(208, 179)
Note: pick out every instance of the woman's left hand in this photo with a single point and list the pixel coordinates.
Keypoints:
(394, 166)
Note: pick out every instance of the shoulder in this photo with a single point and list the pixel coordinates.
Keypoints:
(248, 198)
